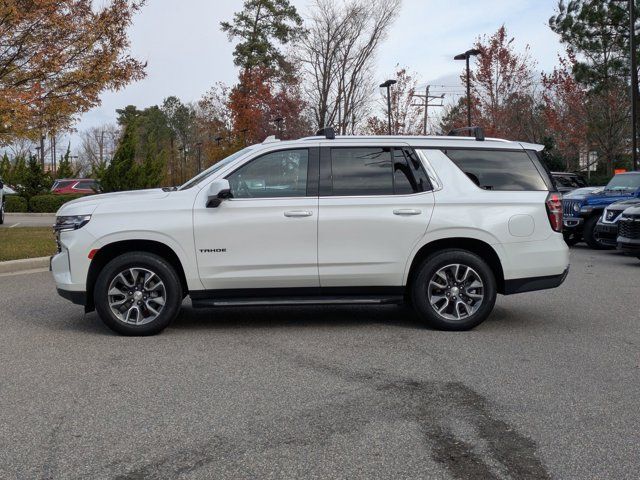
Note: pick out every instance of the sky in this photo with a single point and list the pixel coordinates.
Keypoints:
(187, 53)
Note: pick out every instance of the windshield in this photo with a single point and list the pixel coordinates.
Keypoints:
(624, 182)
(214, 168)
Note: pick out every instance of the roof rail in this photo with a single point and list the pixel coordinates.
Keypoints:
(327, 132)
(270, 139)
(477, 131)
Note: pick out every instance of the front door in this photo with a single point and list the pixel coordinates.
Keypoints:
(375, 205)
(266, 235)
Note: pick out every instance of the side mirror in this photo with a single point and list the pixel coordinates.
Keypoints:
(219, 190)
(1, 185)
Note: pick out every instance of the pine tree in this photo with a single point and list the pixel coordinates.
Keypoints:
(122, 173)
(64, 167)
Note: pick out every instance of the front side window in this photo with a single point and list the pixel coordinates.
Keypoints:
(276, 174)
(498, 169)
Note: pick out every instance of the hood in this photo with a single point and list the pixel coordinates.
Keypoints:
(86, 205)
(625, 204)
(607, 197)
(632, 211)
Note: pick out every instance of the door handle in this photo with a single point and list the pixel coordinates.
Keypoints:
(407, 211)
(298, 213)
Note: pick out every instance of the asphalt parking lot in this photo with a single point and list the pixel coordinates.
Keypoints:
(28, 220)
(548, 387)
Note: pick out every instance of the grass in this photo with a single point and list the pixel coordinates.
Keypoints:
(26, 242)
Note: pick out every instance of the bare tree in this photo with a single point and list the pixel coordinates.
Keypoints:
(338, 55)
(97, 149)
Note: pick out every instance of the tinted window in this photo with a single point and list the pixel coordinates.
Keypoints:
(408, 174)
(361, 171)
(85, 185)
(277, 174)
(498, 169)
(62, 184)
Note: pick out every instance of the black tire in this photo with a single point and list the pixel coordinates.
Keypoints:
(589, 234)
(1, 213)
(171, 288)
(427, 271)
(571, 238)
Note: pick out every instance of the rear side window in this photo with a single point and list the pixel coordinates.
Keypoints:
(85, 185)
(498, 169)
(361, 171)
(377, 171)
(408, 174)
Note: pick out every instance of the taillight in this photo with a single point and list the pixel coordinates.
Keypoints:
(554, 210)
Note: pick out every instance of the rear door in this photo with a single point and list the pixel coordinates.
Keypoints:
(375, 204)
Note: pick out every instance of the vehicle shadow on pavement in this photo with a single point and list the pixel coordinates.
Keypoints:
(295, 317)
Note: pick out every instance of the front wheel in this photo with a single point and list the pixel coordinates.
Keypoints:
(454, 290)
(138, 293)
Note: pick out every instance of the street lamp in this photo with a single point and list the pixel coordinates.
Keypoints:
(387, 85)
(465, 56)
(199, 145)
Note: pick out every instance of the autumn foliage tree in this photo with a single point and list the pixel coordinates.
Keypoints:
(57, 56)
(565, 110)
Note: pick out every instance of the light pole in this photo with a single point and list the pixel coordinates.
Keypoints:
(387, 85)
(199, 145)
(465, 56)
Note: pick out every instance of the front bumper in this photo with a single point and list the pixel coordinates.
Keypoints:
(629, 245)
(572, 223)
(607, 234)
(79, 298)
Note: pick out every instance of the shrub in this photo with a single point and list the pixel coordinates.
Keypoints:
(15, 204)
(49, 203)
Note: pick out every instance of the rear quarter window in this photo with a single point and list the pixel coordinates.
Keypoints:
(498, 169)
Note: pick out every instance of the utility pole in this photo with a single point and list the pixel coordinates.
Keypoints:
(426, 98)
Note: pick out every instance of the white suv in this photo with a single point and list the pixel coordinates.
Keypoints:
(444, 223)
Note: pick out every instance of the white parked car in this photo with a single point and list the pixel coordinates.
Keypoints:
(444, 223)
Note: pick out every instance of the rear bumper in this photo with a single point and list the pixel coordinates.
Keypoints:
(607, 234)
(521, 285)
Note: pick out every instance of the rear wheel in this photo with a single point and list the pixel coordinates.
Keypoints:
(138, 293)
(454, 290)
(590, 236)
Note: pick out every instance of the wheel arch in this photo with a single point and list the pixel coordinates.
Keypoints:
(110, 251)
(474, 245)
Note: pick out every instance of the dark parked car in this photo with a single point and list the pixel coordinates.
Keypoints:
(607, 227)
(629, 231)
(566, 181)
(582, 212)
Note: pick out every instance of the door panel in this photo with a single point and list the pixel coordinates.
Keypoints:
(264, 245)
(266, 236)
(365, 239)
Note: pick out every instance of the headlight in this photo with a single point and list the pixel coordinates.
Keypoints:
(576, 207)
(74, 222)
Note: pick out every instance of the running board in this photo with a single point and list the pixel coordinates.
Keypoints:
(296, 301)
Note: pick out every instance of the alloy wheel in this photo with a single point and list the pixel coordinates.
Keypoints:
(136, 296)
(455, 291)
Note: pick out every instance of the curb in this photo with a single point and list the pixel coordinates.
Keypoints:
(13, 266)
(29, 214)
